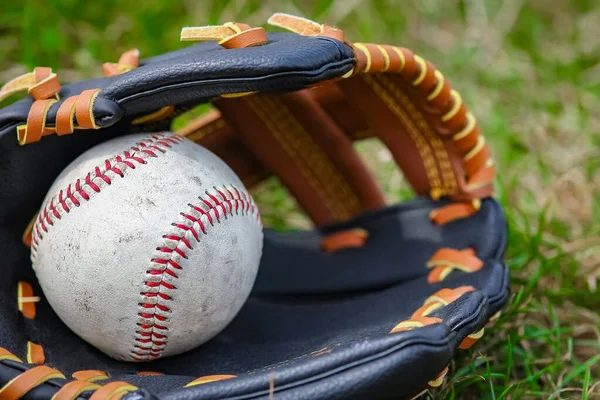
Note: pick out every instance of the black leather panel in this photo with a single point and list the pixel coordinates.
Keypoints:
(278, 332)
(197, 74)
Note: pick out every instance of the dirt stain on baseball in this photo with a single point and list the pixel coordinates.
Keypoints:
(128, 237)
(83, 304)
(149, 202)
(197, 180)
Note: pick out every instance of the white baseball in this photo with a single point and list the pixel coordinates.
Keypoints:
(147, 246)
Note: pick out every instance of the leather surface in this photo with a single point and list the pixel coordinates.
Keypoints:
(199, 73)
(395, 261)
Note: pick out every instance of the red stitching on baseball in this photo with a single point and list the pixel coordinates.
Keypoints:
(53, 209)
(201, 211)
(150, 349)
(64, 196)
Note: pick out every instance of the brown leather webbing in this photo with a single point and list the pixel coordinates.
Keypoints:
(350, 119)
(391, 94)
(419, 102)
(420, 123)
(215, 133)
(296, 140)
(408, 93)
(338, 147)
(381, 118)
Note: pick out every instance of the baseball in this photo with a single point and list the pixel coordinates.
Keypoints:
(147, 246)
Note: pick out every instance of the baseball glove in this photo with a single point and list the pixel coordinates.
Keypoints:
(372, 303)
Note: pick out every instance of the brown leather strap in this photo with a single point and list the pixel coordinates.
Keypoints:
(475, 158)
(446, 296)
(73, 389)
(84, 109)
(110, 69)
(439, 299)
(47, 84)
(206, 125)
(339, 147)
(81, 106)
(348, 239)
(35, 354)
(396, 129)
(90, 375)
(113, 390)
(128, 61)
(465, 258)
(41, 73)
(454, 211)
(26, 300)
(471, 339)
(130, 58)
(36, 122)
(272, 133)
(17, 84)
(248, 38)
(348, 118)
(7, 355)
(421, 103)
(27, 380)
(41, 84)
(64, 116)
(232, 35)
(445, 260)
(467, 138)
(482, 177)
(415, 322)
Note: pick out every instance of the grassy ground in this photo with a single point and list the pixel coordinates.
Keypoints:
(530, 72)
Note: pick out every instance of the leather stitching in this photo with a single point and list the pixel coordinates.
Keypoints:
(448, 177)
(314, 164)
(440, 154)
(411, 129)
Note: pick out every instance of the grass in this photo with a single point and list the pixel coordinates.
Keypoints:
(530, 72)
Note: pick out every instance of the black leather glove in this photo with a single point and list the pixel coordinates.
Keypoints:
(372, 303)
